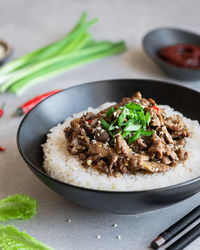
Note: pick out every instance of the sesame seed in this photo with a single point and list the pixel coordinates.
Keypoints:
(118, 175)
(98, 236)
(86, 122)
(89, 162)
(68, 220)
(118, 237)
(98, 128)
(99, 122)
(98, 134)
(114, 225)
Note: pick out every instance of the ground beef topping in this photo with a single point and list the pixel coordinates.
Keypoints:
(133, 135)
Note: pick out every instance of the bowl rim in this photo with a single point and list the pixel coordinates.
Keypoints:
(157, 58)
(30, 164)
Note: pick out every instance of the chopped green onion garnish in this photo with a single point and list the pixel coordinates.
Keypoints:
(125, 134)
(134, 137)
(110, 111)
(148, 118)
(105, 124)
(129, 122)
(122, 117)
(119, 133)
(132, 127)
(147, 133)
(133, 105)
(142, 118)
(136, 122)
(112, 127)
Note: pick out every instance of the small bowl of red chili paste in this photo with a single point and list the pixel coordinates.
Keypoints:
(176, 51)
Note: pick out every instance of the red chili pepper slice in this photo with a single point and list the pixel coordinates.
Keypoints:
(156, 108)
(89, 121)
(1, 110)
(27, 106)
(1, 113)
(2, 149)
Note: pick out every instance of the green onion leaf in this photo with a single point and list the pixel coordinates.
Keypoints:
(112, 127)
(122, 117)
(132, 127)
(125, 134)
(111, 133)
(134, 137)
(142, 118)
(132, 114)
(110, 111)
(105, 124)
(119, 133)
(148, 118)
(147, 133)
(129, 122)
(133, 105)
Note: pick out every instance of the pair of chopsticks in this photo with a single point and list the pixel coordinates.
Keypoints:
(176, 228)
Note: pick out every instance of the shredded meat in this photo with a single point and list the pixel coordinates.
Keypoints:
(156, 153)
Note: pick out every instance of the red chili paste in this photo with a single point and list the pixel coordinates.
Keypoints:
(182, 55)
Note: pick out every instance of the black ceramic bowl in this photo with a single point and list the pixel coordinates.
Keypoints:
(36, 124)
(163, 37)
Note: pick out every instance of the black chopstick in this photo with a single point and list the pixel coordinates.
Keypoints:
(176, 228)
(186, 239)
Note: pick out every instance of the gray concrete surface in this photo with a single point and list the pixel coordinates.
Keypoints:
(27, 25)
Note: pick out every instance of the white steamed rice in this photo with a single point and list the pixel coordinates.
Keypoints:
(61, 165)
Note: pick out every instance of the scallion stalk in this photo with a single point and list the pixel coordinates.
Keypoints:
(38, 66)
(57, 68)
(48, 50)
(75, 49)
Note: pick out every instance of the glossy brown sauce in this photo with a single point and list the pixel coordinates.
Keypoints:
(182, 55)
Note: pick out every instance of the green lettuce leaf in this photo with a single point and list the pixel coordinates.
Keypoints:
(17, 207)
(12, 238)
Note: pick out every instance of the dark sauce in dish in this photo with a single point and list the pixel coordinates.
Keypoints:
(182, 55)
